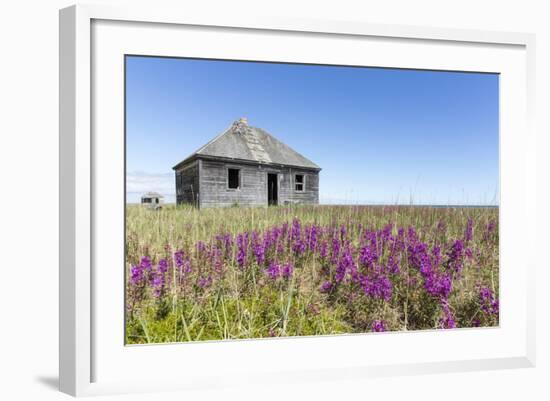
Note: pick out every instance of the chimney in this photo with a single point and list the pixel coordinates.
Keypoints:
(241, 126)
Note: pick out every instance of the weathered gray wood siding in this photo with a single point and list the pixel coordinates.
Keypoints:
(187, 183)
(288, 193)
(214, 191)
(214, 185)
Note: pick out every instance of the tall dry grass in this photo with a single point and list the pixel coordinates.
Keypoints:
(251, 301)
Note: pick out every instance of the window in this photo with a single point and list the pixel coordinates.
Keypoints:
(146, 200)
(299, 182)
(233, 181)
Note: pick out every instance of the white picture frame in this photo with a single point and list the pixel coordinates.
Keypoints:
(88, 360)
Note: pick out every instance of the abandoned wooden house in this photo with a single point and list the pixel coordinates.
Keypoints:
(246, 166)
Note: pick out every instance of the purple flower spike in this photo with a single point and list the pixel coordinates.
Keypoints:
(163, 265)
(447, 321)
(137, 274)
(489, 303)
(274, 270)
(378, 326)
(456, 256)
(146, 263)
(178, 258)
(288, 270)
(326, 287)
(204, 282)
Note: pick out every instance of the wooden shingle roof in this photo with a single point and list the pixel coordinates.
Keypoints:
(244, 142)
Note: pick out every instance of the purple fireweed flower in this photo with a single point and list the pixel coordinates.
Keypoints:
(146, 263)
(228, 244)
(136, 274)
(201, 247)
(204, 282)
(346, 265)
(438, 285)
(326, 287)
(418, 257)
(411, 235)
(269, 240)
(178, 258)
(370, 238)
(489, 303)
(469, 232)
(436, 256)
(274, 270)
(491, 226)
(276, 233)
(323, 250)
(299, 246)
(447, 321)
(378, 286)
(158, 281)
(386, 232)
(163, 266)
(288, 270)
(216, 260)
(343, 232)
(367, 256)
(280, 248)
(242, 249)
(456, 256)
(182, 263)
(394, 262)
(259, 253)
(378, 326)
(296, 229)
(399, 244)
(312, 237)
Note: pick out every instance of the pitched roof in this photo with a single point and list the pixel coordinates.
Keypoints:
(244, 142)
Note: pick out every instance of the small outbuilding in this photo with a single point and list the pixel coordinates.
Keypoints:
(246, 166)
(153, 200)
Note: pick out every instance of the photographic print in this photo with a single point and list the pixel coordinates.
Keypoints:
(278, 199)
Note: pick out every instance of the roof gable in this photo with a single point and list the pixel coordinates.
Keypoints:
(244, 142)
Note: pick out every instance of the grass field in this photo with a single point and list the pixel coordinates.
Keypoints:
(307, 270)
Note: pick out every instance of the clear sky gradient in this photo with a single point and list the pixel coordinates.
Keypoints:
(380, 135)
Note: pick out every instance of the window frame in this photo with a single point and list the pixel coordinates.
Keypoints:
(239, 179)
(303, 183)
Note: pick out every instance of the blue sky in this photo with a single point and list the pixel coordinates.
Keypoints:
(380, 135)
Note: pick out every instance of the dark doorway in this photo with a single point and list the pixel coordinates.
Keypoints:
(272, 190)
